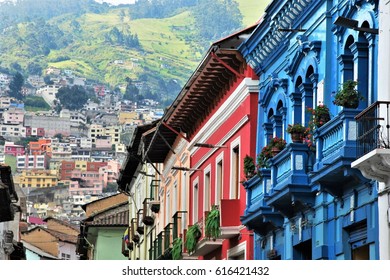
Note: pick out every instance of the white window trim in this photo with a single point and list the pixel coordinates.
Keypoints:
(238, 250)
(206, 171)
(233, 145)
(219, 158)
(194, 183)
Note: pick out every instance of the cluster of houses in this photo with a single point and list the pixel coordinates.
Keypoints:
(69, 159)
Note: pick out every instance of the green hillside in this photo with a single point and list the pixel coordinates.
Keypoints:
(168, 47)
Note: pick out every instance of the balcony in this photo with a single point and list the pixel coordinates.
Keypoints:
(336, 150)
(230, 218)
(205, 245)
(147, 215)
(291, 191)
(258, 215)
(373, 142)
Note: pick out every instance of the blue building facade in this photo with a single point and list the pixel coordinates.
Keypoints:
(308, 203)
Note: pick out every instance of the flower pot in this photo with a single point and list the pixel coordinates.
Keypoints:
(297, 137)
(322, 119)
(148, 220)
(352, 104)
(140, 230)
(275, 151)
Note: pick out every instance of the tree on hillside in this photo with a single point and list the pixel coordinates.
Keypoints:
(15, 86)
(216, 19)
(131, 92)
(34, 69)
(72, 98)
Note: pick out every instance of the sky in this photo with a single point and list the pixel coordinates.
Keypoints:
(113, 2)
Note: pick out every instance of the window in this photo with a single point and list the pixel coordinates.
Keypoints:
(184, 198)
(65, 256)
(207, 191)
(235, 172)
(195, 200)
(219, 180)
(168, 209)
(174, 199)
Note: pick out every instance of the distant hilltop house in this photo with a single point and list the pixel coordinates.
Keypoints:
(53, 71)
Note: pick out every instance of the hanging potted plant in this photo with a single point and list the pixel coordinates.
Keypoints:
(297, 132)
(348, 96)
(249, 167)
(192, 237)
(212, 227)
(177, 249)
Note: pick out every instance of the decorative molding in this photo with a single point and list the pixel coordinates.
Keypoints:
(304, 48)
(226, 110)
(228, 135)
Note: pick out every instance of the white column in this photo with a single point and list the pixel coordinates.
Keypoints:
(383, 95)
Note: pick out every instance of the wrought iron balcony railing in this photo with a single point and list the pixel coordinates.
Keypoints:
(373, 128)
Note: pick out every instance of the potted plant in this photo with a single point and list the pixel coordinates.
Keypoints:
(148, 220)
(277, 144)
(192, 237)
(320, 115)
(263, 157)
(212, 227)
(249, 167)
(348, 96)
(177, 248)
(155, 206)
(297, 132)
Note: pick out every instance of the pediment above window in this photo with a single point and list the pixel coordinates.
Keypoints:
(304, 48)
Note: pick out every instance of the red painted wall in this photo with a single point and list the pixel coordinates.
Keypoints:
(247, 134)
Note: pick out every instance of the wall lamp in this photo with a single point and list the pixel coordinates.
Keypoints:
(353, 24)
(185, 168)
(206, 145)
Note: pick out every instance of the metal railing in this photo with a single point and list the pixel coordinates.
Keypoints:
(373, 128)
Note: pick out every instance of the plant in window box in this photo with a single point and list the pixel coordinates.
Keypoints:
(348, 96)
(212, 227)
(249, 167)
(297, 132)
(192, 237)
(177, 249)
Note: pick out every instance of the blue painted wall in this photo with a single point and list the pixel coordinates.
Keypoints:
(331, 211)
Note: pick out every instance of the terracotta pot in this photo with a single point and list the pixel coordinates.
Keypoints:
(297, 137)
(275, 151)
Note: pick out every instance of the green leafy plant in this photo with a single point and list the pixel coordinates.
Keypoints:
(267, 153)
(177, 249)
(348, 96)
(296, 128)
(297, 132)
(212, 227)
(277, 142)
(192, 236)
(249, 167)
(320, 115)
